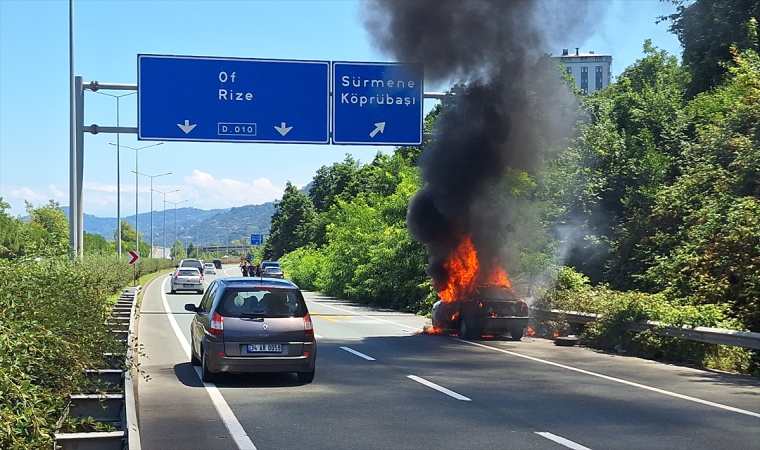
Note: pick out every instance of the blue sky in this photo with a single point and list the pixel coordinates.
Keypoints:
(34, 98)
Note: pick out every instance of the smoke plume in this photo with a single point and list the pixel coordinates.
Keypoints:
(515, 109)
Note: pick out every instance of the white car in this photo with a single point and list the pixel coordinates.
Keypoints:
(209, 268)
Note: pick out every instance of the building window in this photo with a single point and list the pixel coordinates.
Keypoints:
(598, 58)
(584, 69)
(599, 69)
(570, 70)
(585, 90)
(598, 81)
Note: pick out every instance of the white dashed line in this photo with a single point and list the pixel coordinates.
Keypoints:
(359, 354)
(438, 388)
(562, 441)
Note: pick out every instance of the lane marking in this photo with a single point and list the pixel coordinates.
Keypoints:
(318, 336)
(438, 388)
(225, 412)
(618, 380)
(359, 354)
(560, 440)
(322, 317)
(369, 317)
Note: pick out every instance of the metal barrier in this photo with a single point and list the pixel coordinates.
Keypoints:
(708, 335)
(114, 401)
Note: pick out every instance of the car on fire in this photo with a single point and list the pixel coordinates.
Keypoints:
(491, 310)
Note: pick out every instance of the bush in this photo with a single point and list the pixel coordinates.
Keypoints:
(572, 292)
(52, 328)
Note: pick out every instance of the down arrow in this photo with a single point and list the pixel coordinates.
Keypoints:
(283, 129)
(186, 127)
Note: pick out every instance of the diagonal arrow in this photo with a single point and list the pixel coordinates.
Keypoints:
(283, 129)
(379, 127)
(186, 127)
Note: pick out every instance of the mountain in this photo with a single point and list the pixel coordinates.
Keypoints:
(217, 226)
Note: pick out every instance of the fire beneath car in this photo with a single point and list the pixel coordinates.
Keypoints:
(476, 300)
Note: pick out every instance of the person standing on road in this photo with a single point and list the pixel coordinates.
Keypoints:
(244, 268)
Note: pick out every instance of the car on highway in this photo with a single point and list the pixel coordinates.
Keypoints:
(187, 279)
(197, 263)
(209, 268)
(265, 264)
(249, 325)
(217, 263)
(491, 310)
(273, 272)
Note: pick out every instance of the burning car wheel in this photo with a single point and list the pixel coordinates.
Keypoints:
(516, 333)
(465, 329)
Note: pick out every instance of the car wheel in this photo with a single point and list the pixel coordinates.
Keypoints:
(465, 329)
(516, 333)
(174, 291)
(194, 359)
(206, 375)
(200, 291)
(306, 377)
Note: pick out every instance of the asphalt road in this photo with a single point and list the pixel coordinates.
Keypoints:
(381, 384)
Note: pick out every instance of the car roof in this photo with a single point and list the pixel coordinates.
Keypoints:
(257, 282)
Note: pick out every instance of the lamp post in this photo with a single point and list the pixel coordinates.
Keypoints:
(164, 234)
(175, 220)
(118, 170)
(151, 204)
(137, 192)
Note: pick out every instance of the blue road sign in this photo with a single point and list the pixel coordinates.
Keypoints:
(257, 239)
(192, 98)
(377, 103)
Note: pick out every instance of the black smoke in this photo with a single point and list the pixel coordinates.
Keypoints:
(515, 110)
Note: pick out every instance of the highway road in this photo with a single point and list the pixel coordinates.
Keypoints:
(381, 384)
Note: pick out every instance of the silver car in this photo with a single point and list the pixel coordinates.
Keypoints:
(209, 268)
(246, 325)
(187, 279)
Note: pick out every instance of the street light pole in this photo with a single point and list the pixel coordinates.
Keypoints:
(175, 220)
(151, 204)
(118, 170)
(137, 191)
(165, 202)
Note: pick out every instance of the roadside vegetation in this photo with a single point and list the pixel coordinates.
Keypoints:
(649, 213)
(52, 320)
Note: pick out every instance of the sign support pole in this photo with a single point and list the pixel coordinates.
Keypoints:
(79, 142)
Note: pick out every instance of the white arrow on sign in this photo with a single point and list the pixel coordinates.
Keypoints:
(186, 127)
(283, 129)
(379, 127)
(134, 257)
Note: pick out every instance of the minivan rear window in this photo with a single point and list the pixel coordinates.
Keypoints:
(265, 302)
(188, 272)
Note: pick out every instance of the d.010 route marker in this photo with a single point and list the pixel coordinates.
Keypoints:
(134, 257)
(257, 239)
(377, 103)
(195, 98)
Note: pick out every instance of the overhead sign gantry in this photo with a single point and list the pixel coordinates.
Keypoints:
(212, 99)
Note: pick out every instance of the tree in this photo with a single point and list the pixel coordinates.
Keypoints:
(47, 230)
(707, 29)
(291, 223)
(178, 250)
(330, 182)
(10, 233)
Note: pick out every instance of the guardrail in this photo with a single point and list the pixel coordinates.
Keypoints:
(708, 335)
(114, 401)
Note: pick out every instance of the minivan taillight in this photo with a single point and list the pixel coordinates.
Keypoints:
(308, 327)
(217, 324)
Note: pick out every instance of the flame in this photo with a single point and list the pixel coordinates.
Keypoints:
(555, 335)
(530, 332)
(465, 274)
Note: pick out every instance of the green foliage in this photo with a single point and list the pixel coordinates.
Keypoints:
(707, 29)
(572, 292)
(291, 223)
(52, 328)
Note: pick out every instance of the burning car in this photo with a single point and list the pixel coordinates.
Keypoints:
(492, 310)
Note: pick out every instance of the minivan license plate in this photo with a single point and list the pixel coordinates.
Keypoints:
(269, 348)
